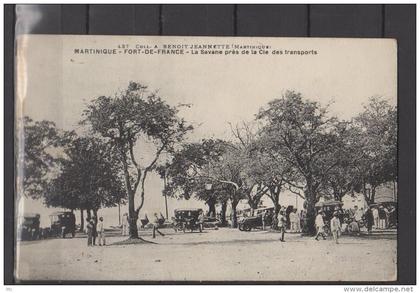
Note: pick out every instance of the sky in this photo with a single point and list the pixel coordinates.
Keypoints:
(55, 84)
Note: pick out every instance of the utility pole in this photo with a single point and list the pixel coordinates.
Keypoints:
(164, 194)
(119, 213)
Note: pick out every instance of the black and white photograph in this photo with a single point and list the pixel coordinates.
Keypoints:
(194, 159)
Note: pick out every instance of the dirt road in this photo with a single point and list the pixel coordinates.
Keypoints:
(214, 255)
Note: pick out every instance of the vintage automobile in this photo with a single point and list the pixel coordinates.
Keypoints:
(62, 223)
(256, 221)
(186, 219)
(28, 227)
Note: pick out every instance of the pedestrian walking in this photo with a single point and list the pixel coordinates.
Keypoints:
(89, 228)
(156, 226)
(124, 222)
(281, 219)
(335, 226)
(101, 232)
(319, 225)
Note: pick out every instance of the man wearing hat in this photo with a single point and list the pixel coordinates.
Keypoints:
(281, 224)
(319, 224)
(335, 226)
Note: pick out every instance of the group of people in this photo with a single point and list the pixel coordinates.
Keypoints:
(157, 222)
(351, 221)
(95, 229)
(335, 226)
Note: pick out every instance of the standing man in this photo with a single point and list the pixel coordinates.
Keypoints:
(319, 224)
(369, 219)
(89, 228)
(264, 219)
(156, 226)
(201, 220)
(101, 232)
(94, 222)
(125, 225)
(382, 217)
(292, 221)
(375, 213)
(386, 217)
(282, 224)
(335, 226)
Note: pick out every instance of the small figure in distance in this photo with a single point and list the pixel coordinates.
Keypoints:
(89, 228)
(125, 224)
(335, 226)
(281, 224)
(156, 226)
(101, 232)
(319, 225)
(201, 220)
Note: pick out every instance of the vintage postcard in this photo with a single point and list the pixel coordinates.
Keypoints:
(211, 159)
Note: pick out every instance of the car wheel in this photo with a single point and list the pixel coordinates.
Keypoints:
(247, 228)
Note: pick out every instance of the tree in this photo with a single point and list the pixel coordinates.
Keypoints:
(90, 178)
(271, 171)
(213, 164)
(188, 172)
(302, 134)
(229, 172)
(244, 150)
(129, 118)
(378, 144)
(346, 176)
(37, 160)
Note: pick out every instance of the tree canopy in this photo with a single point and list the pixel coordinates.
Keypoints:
(132, 116)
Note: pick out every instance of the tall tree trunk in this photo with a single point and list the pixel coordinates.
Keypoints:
(275, 196)
(82, 221)
(119, 214)
(212, 207)
(132, 217)
(223, 213)
(309, 226)
(274, 224)
(234, 215)
(373, 193)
